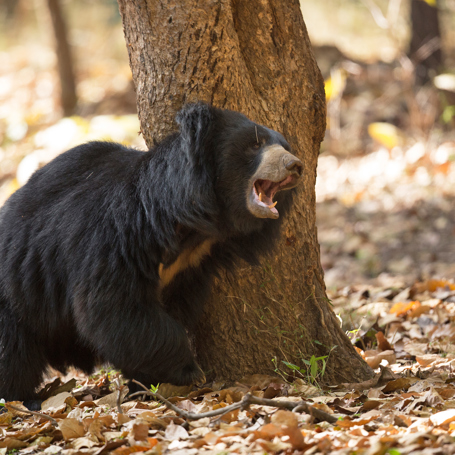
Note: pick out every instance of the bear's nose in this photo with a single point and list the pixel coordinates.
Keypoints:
(294, 164)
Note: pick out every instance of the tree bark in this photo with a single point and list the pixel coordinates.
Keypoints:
(254, 57)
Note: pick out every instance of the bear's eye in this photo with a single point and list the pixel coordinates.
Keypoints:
(256, 146)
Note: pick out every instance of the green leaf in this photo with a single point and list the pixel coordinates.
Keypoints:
(314, 367)
(153, 388)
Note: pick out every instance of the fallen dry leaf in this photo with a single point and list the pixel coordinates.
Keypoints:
(56, 403)
(140, 432)
(383, 344)
(401, 308)
(399, 384)
(374, 358)
(175, 432)
(71, 428)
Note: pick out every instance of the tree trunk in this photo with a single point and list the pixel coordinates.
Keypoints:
(425, 46)
(254, 57)
(68, 95)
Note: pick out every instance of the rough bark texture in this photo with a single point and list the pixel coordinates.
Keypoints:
(254, 57)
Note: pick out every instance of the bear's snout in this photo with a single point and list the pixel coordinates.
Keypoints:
(278, 170)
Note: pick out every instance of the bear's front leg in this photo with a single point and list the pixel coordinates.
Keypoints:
(140, 339)
(185, 296)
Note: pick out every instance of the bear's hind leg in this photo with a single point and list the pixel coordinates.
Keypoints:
(22, 360)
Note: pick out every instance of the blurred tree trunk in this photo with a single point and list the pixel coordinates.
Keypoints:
(68, 95)
(254, 57)
(425, 46)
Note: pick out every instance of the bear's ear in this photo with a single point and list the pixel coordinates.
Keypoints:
(195, 121)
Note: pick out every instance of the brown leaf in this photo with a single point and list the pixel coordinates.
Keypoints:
(446, 393)
(284, 425)
(12, 444)
(232, 394)
(56, 387)
(110, 446)
(6, 418)
(370, 405)
(128, 450)
(398, 384)
(374, 358)
(416, 312)
(199, 392)
(433, 285)
(417, 349)
(187, 405)
(287, 418)
(95, 427)
(402, 421)
(383, 344)
(427, 359)
(71, 428)
(273, 390)
(140, 431)
(122, 419)
(79, 443)
(322, 407)
(348, 423)
(111, 399)
(56, 403)
(175, 432)
(231, 416)
(274, 446)
(402, 308)
(14, 412)
(432, 398)
(168, 390)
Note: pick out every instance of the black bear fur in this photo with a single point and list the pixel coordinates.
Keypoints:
(82, 242)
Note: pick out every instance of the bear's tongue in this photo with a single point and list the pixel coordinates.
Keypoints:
(265, 190)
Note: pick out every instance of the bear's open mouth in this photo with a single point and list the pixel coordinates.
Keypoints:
(265, 190)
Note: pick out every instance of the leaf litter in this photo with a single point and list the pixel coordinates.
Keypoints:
(408, 407)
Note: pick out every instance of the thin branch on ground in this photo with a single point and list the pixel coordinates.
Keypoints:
(39, 414)
(119, 388)
(247, 400)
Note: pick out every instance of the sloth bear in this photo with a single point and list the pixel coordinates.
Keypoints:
(107, 254)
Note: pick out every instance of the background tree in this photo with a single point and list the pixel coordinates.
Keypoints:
(425, 46)
(65, 65)
(254, 57)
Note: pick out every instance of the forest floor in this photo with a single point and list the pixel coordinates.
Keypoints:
(386, 225)
(406, 334)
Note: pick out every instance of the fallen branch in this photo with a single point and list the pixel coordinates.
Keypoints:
(247, 400)
(39, 414)
(119, 389)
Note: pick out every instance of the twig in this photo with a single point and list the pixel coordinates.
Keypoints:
(247, 400)
(291, 406)
(119, 395)
(186, 414)
(39, 414)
